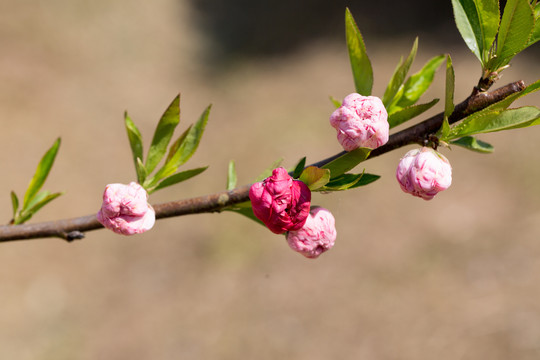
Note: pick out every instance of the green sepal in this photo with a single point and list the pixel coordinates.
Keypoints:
(349, 181)
(472, 143)
(176, 178)
(232, 178)
(416, 85)
(163, 134)
(299, 168)
(399, 76)
(42, 171)
(360, 63)
(347, 161)
(315, 177)
(268, 171)
(335, 102)
(135, 140)
(407, 113)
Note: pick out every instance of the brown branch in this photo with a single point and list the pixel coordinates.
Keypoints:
(72, 229)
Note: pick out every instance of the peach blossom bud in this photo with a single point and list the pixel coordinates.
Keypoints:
(125, 209)
(361, 121)
(424, 173)
(280, 202)
(316, 236)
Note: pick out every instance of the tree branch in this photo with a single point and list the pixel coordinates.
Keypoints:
(73, 229)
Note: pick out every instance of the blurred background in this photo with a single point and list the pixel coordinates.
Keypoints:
(453, 278)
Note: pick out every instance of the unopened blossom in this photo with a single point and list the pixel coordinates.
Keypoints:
(361, 121)
(280, 202)
(424, 173)
(316, 236)
(125, 209)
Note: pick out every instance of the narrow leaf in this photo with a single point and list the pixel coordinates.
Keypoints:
(505, 103)
(495, 121)
(410, 112)
(347, 161)
(349, 181)
(315, 177)
(42, 171)
(42, 202)
(42, 199)
(360, 64)
(135, 139)
(246, 210)
(179, 177)
(517, 24)
(162, 135)
(399, 76)
(141, 171)
(176, 145)
(299, 168)
(474, 144)
(449, 89)
(418, 83)
(14, 203)
(231, 176)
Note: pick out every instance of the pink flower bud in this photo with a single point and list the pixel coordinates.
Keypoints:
(125, 209)
(424, 173)
(316, 236)
(280, 202)
(361, 121)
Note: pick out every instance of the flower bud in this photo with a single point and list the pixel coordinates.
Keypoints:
(361, 121)
(280, 202)
(316, 236)
(424, 173)
(125, 209)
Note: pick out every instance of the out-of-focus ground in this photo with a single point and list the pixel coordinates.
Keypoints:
(454, 278)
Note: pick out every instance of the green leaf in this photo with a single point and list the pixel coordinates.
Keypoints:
(535, 35)
(185, 147)
(268, 171)
(473, 144)
(176, 145)
(517, 24)
(162, 135)
(135, 139)
(399, 76)
(417, 84)
(335, 102)
(315, 177)
(42, 171)
(176, 178)
(349, 181)
(477, 22)
(299, 168)
(347, 161)
(40, 200)
(449, 89)
(360, 64)
(14, 203)
(246, 210)
(399, 117)
(505, 103)
(497, 120)
(231, 176)
(141, 171)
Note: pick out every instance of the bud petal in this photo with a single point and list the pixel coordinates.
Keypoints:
(280, 202)
(361, 121)
(125, 209)
(424, 173)
(316, 236)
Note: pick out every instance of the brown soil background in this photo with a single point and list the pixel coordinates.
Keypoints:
(454, 278)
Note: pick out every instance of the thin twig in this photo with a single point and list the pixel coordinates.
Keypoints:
(73, 229)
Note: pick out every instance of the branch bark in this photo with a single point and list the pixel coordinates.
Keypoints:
(74, 228)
